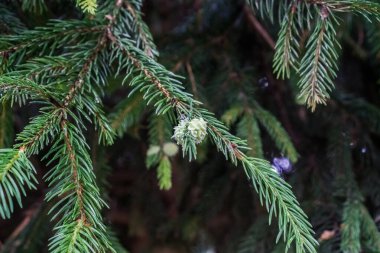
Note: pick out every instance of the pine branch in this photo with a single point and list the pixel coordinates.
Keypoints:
(80, 228)
(142, 35)
(16, 174)
(318, 66)
(87, 66)
(370, 235)
(164, 173)
(40, 131)
(351, 228)
(46, 40)
(280, 202)
(161, 149)
(19, 90)
(357, 223)
(47, 70)
(161, 86)
(287, 46)
(87, 5)
(363, 7)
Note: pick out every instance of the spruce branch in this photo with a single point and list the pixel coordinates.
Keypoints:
(370, 234)
(362, 7)
(318, 66)
(144, 39)
(276, 195)
(40, 131)
(82, 77)
(161, 148)
(356, 222)
(164, 173)
(92, 65)
(80, 228)
(163, 89)
(351, 228)
(48, 40)
(88, 5)
(16, 175)
(47, 70)
(287, 46)
(18, 89)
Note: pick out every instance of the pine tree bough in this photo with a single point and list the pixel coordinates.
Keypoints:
(47, 66)
(318, 67)
(280, 200)
(75, 202)
(16, 174)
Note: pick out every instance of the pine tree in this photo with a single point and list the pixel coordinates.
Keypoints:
(67, 69)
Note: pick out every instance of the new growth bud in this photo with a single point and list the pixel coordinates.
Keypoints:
(198, 129)
(195, 128)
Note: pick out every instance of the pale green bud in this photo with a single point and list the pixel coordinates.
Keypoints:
(180, 131)
(170, 149)
(198, 129)
(153, 150)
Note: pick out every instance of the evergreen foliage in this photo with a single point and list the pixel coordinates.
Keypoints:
(17, 174)
(318, 66)
(67, 68)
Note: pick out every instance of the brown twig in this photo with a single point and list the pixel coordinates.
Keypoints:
(78, 184)
(258, 27)
(24, 223)
(192, 79)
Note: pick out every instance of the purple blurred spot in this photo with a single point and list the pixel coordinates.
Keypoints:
(282, 165)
